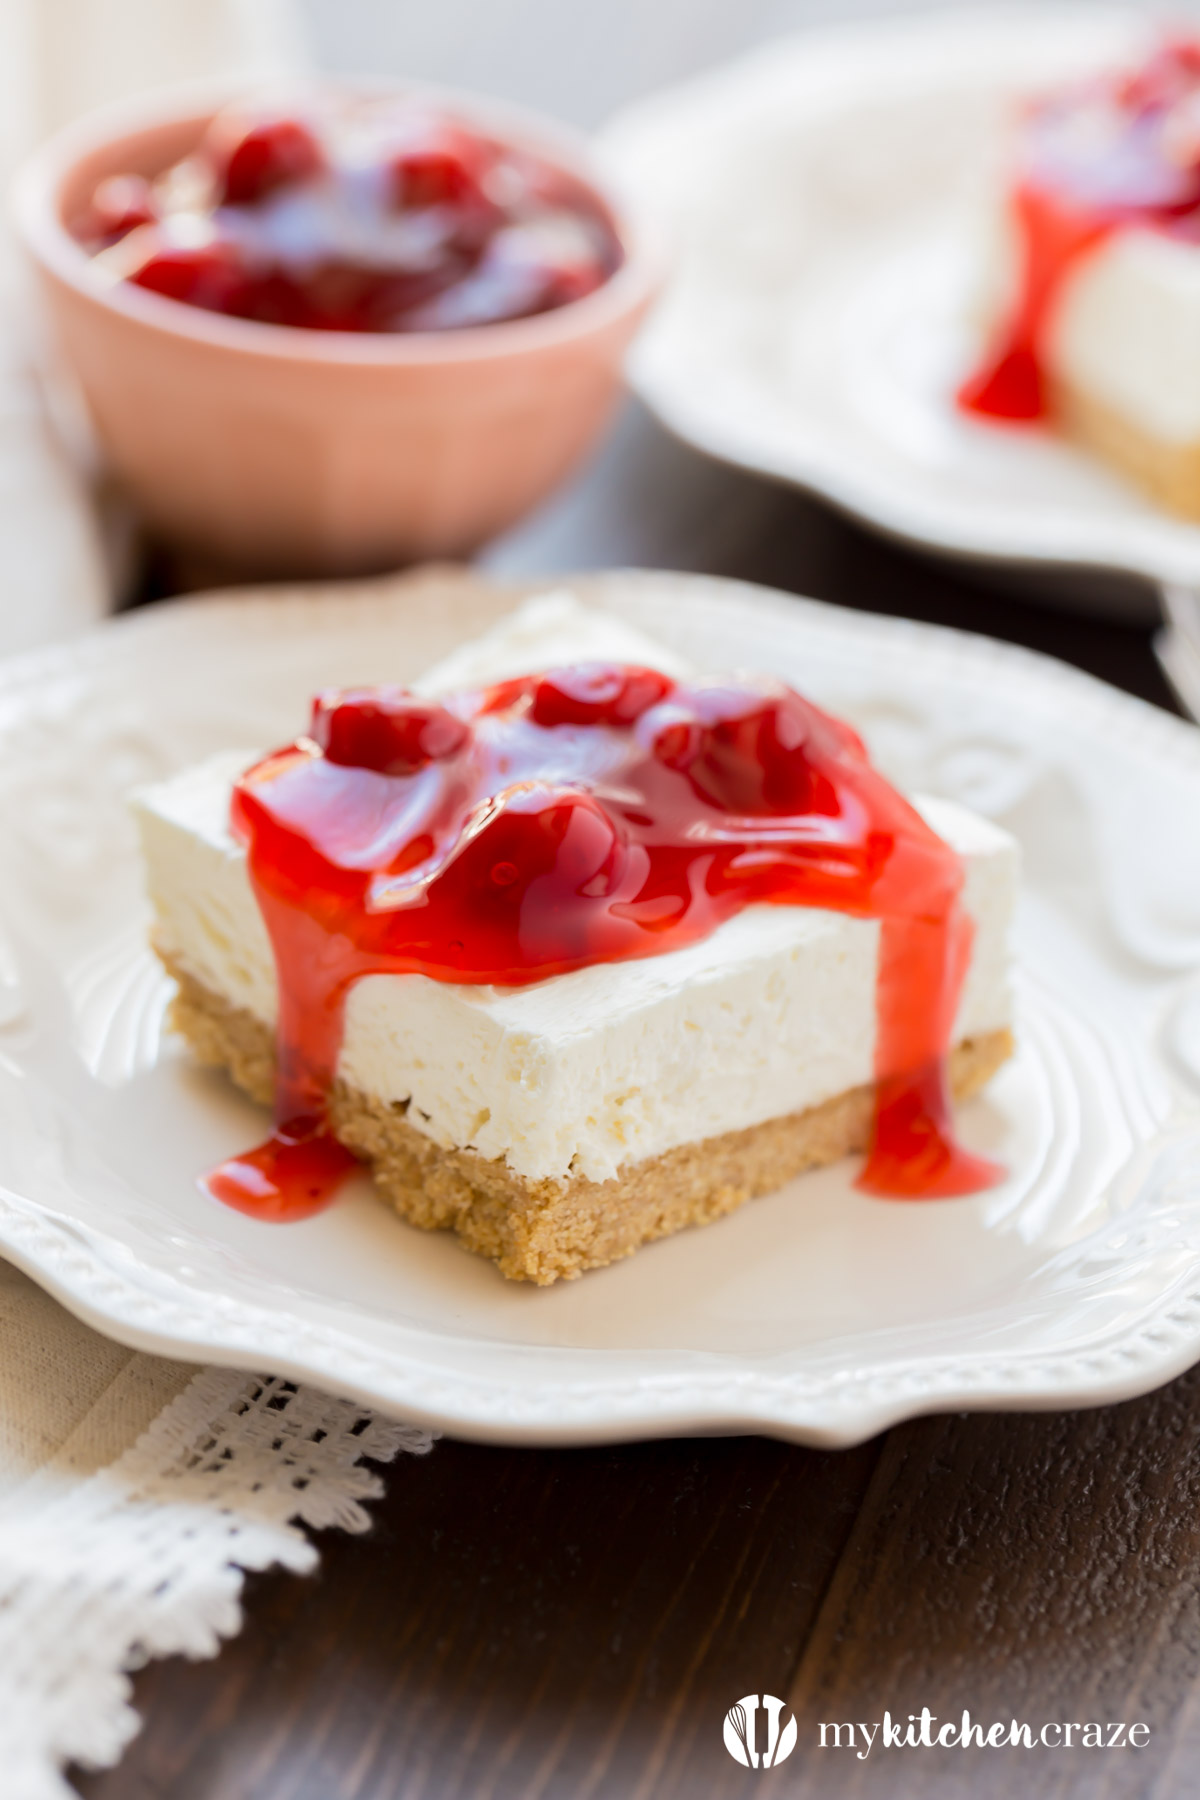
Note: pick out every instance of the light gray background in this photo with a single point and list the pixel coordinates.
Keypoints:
(580, 59)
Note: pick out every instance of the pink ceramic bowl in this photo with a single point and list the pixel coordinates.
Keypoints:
(281, 451)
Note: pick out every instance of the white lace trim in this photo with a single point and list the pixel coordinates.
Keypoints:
(145, 1559)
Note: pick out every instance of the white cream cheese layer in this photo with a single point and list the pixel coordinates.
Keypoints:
(1125, 328)
(585, 1072)
(1126, 332)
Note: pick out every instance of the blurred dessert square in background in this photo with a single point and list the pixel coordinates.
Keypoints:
(1092, 289)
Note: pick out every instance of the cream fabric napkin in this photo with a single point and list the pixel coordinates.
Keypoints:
(133, 1491)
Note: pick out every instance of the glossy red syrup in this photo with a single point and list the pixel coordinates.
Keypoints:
(354, 214)
(592, 814)
(1096, 158)
(296, 1173)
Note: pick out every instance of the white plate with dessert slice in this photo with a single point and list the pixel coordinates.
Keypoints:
(817, 1312)
(840, 207)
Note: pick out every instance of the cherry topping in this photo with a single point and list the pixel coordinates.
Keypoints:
(269, 154)
(386, 729)
(752, 753)
(1171, 72)
(445, 168)
(542, 849)
(211, 275)
(597, 694)
(119, 204)
(357, 215)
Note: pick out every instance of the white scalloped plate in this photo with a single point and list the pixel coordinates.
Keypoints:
(816, 1313)
(826, 196)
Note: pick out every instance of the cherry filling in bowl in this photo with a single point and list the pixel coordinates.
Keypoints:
(353, 213)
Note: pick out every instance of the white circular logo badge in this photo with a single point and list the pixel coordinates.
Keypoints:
(757, 1734)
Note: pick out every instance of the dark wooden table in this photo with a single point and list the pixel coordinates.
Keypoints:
(529, 1624)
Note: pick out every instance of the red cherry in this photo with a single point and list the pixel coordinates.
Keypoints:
(482, 254)
(212, 276)
(386, 729)
(268, 155)
(750, 753)
(560, 840)
(677, 742)
(119, 204)
(597, 694)
(445, 169)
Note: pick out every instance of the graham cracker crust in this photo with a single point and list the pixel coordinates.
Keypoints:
(1168, 472)
(540, 1231)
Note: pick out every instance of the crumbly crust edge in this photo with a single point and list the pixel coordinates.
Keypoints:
(1168, 472)
(545, 1230)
